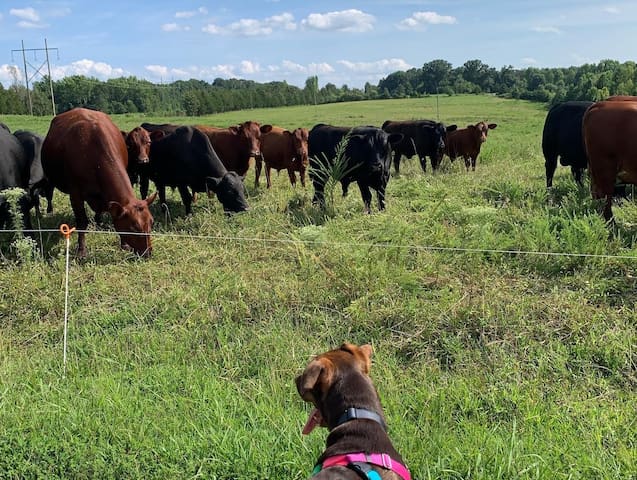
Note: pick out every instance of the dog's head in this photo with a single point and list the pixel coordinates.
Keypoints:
(326, 370)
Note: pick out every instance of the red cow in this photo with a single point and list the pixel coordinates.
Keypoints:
(466, 143)
(281, 149)
(84, 155)
(237, 144)
(610, 136)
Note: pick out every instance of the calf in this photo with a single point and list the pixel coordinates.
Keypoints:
(282, 149)
(425, 138)
(466, 143)
(366, 157)
(237, 144)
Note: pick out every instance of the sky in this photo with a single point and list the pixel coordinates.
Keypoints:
(344, 42)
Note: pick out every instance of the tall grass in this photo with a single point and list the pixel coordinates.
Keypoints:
(489, 364)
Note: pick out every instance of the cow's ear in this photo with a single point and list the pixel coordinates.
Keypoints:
(394, 138)
(151, 199)
(451, 128)
(124, 134)
(156, 135)
(265, 128)
(471, 127)
(116, 209)
(235, 129)
(492, 126)
(213, 183)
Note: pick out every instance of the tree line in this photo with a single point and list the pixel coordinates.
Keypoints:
(198, 97)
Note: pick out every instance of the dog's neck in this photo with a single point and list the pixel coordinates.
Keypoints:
(354, 435)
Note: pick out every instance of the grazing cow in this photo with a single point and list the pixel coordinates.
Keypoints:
(85, 156)
(14, 173)
(237, 144)
(281, 149)
(185, 159)
(610, 137)
(367, 157)
(562, 137)
(466, 143)
(424, 138)
(38, 184)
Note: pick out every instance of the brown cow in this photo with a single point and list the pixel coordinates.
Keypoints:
(237, 144)
(610, 136)
(466, 143)
(85, 156)
(281, 149)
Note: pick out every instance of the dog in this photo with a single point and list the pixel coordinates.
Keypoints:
(338, 385)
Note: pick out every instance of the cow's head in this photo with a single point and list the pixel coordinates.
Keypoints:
(138, 146)
(250, 134)
(439, 136)
(134, 222)
(481, 130)
(299, 138)
(230, 191)
(371, 149)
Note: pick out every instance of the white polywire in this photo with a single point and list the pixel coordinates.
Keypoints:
(347, 244)
(66, 304)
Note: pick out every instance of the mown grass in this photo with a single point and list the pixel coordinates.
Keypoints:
(490, 365)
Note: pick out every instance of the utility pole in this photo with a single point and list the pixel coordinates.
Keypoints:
(36, 71)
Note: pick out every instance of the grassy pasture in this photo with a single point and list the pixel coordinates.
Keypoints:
(490, 365)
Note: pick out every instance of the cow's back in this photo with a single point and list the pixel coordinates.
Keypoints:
(323, 141)
(85, 150)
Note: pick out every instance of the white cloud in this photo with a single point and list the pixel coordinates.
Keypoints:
(529, 61)
(9, 73)
(612, 10)
(28, 14)
(420, 20)
(25, 24)
(88, 68)
(192, 13)
(378, 67)
(546, 29)
(249, 68)
(157, 70)
(250, 27)
(344, 21)
(174, 27)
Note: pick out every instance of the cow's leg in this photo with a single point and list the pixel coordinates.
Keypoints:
(257, 172)
(48, 192)
(319, 194)
(99, 219)
(577, 175)
(550, 164)
(474, 159)
(467, 161)
(423, 162)
(185, 198)
(345, 185)
(161, 189)
(143, 186)
(268, 175)
(77, 204)
(292, 176)
(367, 196)
(397, 162)
(380, 193)
(302, 176)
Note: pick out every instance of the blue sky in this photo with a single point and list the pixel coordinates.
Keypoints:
(343, 42)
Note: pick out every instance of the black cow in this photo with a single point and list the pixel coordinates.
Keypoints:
(367, 157)
(185, 159)
(425, 138)
(38, 184)
(562, 137)
(19, 168)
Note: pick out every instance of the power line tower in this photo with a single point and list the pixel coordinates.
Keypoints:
(36, 70)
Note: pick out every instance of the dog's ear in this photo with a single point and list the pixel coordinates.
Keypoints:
(318, 375)
(363, 354)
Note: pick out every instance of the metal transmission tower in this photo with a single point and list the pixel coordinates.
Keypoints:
(36, 70)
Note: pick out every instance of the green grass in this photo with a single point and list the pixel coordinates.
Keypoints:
(489, 365)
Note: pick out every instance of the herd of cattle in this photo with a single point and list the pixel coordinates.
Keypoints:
(85, 155)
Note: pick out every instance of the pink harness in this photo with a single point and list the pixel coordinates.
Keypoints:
(378, 459)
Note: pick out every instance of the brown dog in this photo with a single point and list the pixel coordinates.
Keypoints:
(345, 401)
